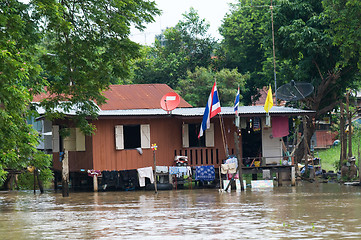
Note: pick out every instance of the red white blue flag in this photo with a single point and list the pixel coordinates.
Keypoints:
(236, 103)
(212, 109)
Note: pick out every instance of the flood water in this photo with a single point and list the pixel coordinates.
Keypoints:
(310, 211)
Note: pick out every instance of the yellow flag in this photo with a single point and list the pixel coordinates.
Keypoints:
(269, 100)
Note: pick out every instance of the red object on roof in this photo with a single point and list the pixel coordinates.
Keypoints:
(134, 96)
(170, 101)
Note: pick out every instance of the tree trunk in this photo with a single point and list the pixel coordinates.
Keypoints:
(305, 142)
(65, 175)
(308, 132)
(349, 116)
(342, 134)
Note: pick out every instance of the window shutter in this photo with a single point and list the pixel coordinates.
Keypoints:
(80, 140)
(119, 138)
(70, 141)
(185, 135)
(55, 139)
(210, 136)
(145, 136)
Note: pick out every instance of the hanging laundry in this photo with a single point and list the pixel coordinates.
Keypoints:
(183, 171)
(178, 170)
(228, 168)
(231, 160)
(173, 170)
(189, 171)
(161, 169)
(143, 173)
(280, 126)
(256, 124)
(205, 173)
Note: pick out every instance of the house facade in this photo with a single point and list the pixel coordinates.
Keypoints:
(132, 120)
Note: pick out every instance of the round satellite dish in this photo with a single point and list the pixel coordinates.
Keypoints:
(170, 101)
(294, 91)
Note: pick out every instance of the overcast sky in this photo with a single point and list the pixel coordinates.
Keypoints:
(212, 10)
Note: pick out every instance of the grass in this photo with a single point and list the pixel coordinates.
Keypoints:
(328, 157)
(332, 155)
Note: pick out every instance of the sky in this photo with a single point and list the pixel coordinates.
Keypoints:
(211, 10)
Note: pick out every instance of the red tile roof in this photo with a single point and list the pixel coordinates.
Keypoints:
(135, 96)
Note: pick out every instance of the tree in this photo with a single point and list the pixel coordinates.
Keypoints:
(195, 88)
(88, 48)
(345, 27)
(177, 50)
(84, 45)
(244, 47)
(18, 74)
(302, 36)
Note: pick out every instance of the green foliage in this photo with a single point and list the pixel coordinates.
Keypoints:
(41, 162)
(195, 88)
(244, 46)
(87, 49)
(177, 50)
(18, 81)
(302, 37)
(84, 43)
(26, 179)
(345, 27)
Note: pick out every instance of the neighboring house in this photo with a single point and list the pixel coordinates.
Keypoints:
(323, 136)
(44, 128)
(132, 121)
(262, 98)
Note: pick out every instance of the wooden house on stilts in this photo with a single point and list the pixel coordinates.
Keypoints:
(132, 120)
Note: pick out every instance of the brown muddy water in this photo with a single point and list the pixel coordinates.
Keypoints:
(310, 211)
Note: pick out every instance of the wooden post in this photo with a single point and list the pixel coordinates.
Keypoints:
(220, 178)
(349, 120)
(95, 182)
(65, 175)
(34, 181)
(154, 147)
(36, 171)
(236, 143)
(293, 176)
(359, 161)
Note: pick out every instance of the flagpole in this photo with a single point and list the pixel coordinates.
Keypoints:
(223, 137)
(274, 53)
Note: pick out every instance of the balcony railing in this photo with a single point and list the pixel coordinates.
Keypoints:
(202, 156)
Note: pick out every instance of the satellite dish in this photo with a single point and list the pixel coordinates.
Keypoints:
(170, 101)
(294, 91)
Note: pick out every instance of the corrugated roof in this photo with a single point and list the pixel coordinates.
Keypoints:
(134, 96)
(137, 96)
(190, 112)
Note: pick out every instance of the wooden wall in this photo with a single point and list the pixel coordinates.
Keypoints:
(77, 160)
(166, 132)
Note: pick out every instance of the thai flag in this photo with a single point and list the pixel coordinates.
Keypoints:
(236, 102)
(213, 107)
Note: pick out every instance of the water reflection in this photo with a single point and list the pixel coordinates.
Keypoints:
(315, 211)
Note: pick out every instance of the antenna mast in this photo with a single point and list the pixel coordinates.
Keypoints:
(274, 53)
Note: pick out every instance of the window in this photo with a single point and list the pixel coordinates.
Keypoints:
(194, 141)
(75, 141)
(190, 136)
(132, 136)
